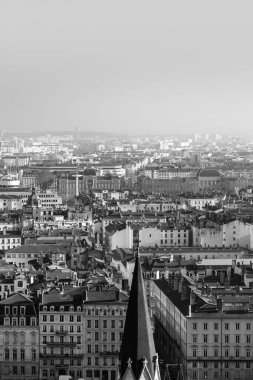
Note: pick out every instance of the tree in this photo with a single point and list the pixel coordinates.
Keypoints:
(45, 179)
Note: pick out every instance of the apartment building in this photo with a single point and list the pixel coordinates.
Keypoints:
(19, 338)
(61, 336)
(210, 336)
(104, 319)
(9, 240)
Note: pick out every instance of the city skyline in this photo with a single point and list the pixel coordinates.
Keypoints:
(126, 67)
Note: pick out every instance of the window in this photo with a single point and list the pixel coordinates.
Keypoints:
(226, 338)
(112, 336)
(216, 352)
(205, 338)
(15, 370)
(22, 354)
(247, 326)
(237, 352)
(216, 338)
(89, 373)
(33, 370)
(112, 323)
(248, 352)
(248, 365)
(22, 370)
(51, 318)
(88, 360)
(237, 339)
(194, 338)
(71, 318)
(51, 373)
(33, 354)
(216, 326)
(96, 323)
(71, 328)
(61, 318)
(121, 324)
(237, 326)
(194, 326)
(248, 338)
(89, 348)
(104, 324)
(6, 354)
(226, 326)
(96, 348)
(205, 352)
(78, 329)
(205, 326)
(96, 361)
(96, 335)
(44, 318)
(14, 354)
(78, 318)
(78, 340)
(237, 364)
(88, 323)
(194, 353)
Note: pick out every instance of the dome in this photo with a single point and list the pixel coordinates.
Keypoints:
(208, 173)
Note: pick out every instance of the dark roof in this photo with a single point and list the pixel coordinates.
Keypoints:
(137, 341)
(208, 173)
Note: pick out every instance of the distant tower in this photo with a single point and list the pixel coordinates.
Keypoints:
(77, 176)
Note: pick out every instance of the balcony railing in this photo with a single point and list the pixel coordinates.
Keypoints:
(56, 356)
(61, 332)
(109, 353)
(61, 344)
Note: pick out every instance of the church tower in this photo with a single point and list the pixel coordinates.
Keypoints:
(138, 358)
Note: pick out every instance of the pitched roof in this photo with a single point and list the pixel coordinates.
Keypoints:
(138, 341)
(16, 299)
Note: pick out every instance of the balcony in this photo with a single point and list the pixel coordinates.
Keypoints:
(61, 344)
(56, 356)
(65, 365)
(61, 332)
(109, 353)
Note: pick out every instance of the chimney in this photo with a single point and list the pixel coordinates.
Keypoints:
(190, 310)
(117, 295)
(192, 298)
(85, 296)
(184, 293)
(180, 284)
(219, 303)
(176, 281)
(125, 285)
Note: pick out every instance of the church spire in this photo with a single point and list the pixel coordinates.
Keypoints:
(138, 342)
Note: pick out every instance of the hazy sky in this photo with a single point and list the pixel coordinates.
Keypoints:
(126, 66)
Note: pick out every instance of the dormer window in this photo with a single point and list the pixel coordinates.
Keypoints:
(71, 308)
(22, 310)
(7, 310)
(14, 310)
(62, 308)
(44, 308)
(51, 308)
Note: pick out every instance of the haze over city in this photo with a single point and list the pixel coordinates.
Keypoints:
(126, 67)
